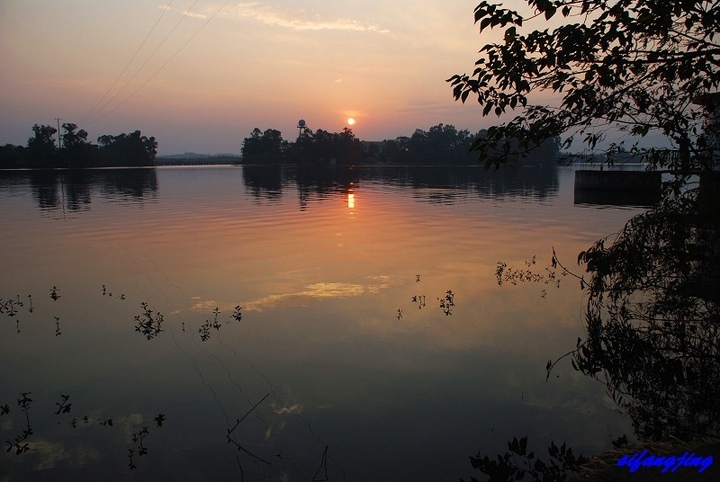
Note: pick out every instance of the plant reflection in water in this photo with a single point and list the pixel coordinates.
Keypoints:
(150, 324)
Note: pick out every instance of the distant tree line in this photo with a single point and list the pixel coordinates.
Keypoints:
(310, 147)
(42, 150)
(441, 144)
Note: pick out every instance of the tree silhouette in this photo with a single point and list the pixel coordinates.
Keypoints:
(634, 66)
(264, 147)
(132, 149)
(41, 147)
(72, 139)
(653, 318)
(43, 138)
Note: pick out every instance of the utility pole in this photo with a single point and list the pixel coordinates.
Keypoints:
(58, 119)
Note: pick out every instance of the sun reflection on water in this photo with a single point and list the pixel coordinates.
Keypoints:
(351, 199)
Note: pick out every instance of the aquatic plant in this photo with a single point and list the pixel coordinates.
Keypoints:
(138, 438)
(159, 420)
(20, 444)
(105, 422)
(9, 306)
(560, 466)
(447, 303)
(204, 329)
(105, 292)
(237, 314)
(551, 276)
(149, 323)
(63, 406)
(131, 453)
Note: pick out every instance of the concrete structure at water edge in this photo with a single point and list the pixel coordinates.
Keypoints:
(618, 180)
(635, 188)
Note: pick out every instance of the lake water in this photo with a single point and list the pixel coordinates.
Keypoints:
(344, 365)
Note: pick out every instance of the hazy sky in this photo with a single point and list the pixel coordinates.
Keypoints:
(199, 75)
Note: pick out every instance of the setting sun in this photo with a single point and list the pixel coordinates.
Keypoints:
(351, 121)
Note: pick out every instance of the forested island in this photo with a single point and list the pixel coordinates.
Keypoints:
(74, 150)
(441, 144)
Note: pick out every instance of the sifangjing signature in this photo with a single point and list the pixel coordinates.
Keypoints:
(668, 462)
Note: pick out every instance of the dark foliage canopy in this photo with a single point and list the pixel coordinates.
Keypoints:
(441, 144)
(132, 149)
(653, 317)
(628, 67)
(310, 147)
(634, 66)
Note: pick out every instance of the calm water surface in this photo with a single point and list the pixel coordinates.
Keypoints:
(344, 366)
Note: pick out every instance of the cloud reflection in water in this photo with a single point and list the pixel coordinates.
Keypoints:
(314, 292)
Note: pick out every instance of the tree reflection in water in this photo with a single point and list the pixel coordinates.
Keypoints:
(653, 318)
(653, 327)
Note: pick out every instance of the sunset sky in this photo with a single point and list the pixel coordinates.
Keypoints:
(199, 75)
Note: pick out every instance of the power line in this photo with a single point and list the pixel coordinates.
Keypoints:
(167, 7)
(127, 82)
(167, 62)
